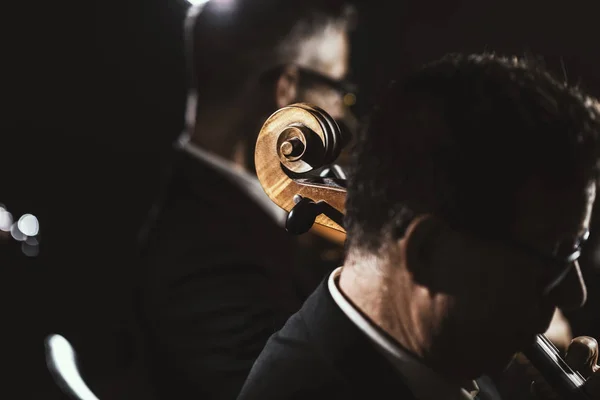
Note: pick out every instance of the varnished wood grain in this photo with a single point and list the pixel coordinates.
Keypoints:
(280, 188)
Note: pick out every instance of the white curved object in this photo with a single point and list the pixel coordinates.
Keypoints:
(62, 363)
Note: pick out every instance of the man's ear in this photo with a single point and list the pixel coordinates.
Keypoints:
(286, 87)
(420, 246)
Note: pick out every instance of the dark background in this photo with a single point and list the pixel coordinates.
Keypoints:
(94, 97)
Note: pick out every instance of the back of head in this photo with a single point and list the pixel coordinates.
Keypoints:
(459, 138)
(235, 41)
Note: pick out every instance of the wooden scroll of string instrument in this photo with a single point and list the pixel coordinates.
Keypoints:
(293, 143)
(301, 138)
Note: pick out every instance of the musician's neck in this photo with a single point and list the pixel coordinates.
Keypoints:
(387, 295)
(372, 292)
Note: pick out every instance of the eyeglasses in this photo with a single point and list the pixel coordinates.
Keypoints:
(560, 263)
(346, 89)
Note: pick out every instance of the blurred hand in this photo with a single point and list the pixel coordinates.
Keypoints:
(582, 356)
(515, 382)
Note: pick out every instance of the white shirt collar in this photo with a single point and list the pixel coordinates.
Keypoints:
(247, 182)
(423, 382)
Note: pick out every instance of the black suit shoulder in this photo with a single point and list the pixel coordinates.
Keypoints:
(321, 354)
(215, 287)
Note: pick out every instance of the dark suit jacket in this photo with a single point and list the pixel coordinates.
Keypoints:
(321, 354)
(219, 278)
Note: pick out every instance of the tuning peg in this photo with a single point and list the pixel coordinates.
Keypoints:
(302, 217)
(333, 171)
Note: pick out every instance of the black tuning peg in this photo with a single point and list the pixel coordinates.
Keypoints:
(302, 217)
(333, 171)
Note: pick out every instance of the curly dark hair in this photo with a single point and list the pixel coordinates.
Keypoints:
(459, 137)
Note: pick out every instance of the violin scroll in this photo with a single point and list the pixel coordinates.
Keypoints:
(294, 142)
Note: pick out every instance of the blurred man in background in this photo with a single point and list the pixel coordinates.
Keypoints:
(221, 274)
